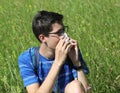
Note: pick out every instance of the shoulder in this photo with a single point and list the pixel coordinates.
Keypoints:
(26, 55)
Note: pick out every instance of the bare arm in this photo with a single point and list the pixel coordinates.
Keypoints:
(82, 78)
(73, 54)
(48, 84)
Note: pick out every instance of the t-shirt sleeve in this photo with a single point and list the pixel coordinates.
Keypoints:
(74, 72)
(27, 69)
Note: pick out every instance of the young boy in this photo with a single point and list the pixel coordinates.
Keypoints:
(59, 66)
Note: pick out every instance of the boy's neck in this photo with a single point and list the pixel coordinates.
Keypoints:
(46, 51)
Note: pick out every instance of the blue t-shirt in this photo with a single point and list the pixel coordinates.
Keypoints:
(29, 76)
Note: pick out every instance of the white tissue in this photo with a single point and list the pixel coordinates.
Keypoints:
(67, 38)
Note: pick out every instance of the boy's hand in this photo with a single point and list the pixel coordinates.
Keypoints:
(73, 53)
(61, 51)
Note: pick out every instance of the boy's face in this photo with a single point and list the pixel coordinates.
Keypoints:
(55, 35)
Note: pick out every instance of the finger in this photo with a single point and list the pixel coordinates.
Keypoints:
(68, 48)
(73, 41)
(61, 42)
(66, 45)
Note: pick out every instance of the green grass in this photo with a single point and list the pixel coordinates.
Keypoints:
(94, 23)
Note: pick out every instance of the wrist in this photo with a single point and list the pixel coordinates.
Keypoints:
(77, 63)
(78, 66)
(57, 64)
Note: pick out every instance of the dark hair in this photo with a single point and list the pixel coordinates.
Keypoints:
(43, 20)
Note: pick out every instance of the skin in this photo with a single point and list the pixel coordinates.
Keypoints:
(54, 46)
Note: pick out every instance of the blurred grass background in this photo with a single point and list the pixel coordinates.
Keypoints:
(94, 23)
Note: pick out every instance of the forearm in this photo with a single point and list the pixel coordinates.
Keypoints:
(82, 78)
(49, 82)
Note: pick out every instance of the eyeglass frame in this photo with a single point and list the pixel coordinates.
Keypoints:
(60, 31)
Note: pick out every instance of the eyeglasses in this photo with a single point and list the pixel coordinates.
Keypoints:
(60, 32)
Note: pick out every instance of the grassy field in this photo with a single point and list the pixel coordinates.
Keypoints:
(94, 23)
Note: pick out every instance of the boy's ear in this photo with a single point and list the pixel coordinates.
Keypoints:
(42, 38)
